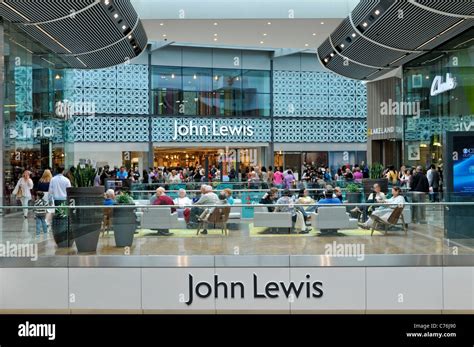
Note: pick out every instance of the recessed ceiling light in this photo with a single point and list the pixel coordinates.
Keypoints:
(332, 54)
(322, 23)
(195, 77)
(269, 23)
(116, 15)
(172, 75)
(215, 39)
(264, 34)
(161, 24)
(306, 44)
(129, 37)
(326, 60)
(364, 24)
(215, 23)
(261, 42)
(377, 12)
(106, 2)
(427, 77)
(353, 35)
(342, 45)
(314, 34)
(215, 34)
(124, 27)
(164, 35)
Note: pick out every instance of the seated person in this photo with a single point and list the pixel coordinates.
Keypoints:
(163, 199)
(377, 196)
(397, 200)
(208, 197)
(269, 198)
(109, 200)
(304, 198)
(183, 202)
(329, 198)
(228, 193)
(287, 203)
(207, 212)
(338, 193)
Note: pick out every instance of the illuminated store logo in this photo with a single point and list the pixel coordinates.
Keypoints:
(439, 87)
(66, 109)
(31, 133)
(215, 130)
(464, 126)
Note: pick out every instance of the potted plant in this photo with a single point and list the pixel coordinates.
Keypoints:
(375, 177)
(353, 193)
(60, 227)
(124, 221)
(85, 222)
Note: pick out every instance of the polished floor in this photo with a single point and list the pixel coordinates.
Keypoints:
(421, 239)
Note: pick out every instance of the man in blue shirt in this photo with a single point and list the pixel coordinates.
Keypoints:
(329, 198)
(122, 174)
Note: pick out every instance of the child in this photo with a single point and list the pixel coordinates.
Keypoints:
(40, 214)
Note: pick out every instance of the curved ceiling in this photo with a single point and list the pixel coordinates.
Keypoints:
(84, 33)
(382, 35)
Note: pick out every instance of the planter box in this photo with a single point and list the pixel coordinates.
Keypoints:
(86, 223)
(124, 225)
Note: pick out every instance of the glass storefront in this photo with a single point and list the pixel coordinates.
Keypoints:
(442, 84)
(210, 92)
(34, 137)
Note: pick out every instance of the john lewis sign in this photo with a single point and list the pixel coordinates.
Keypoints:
(192, 129)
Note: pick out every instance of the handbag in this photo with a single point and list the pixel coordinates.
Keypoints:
(19, 193)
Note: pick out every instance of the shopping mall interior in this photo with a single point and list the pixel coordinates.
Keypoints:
(247, 117)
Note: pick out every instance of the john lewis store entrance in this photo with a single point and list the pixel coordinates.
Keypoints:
(237, 158)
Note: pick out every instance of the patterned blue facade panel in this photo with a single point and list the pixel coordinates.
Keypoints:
(23, 88)
(287, 82)
(322, 130)
(286, 104)
(322, 94)
(110, 129)
(132, 76)
(211, 130)
(116, 90)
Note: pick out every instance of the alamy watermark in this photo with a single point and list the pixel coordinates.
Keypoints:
(355, 250)
(19, 250)
(399, 108)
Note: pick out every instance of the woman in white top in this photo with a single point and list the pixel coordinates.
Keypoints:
(397, 200)
(182, 201)
(22, 190)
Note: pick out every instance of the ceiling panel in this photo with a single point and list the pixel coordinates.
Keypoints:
(87, 33)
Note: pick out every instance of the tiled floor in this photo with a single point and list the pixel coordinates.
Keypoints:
(421, 239)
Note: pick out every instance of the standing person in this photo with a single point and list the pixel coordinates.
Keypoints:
(122, 174)
(58, 187)
(358, 175)
(22, 191)
(289, 180)
(401, 173)
(433, 180)
(145, 177)
(270, 176)
(278, 178)
(40, 214)
(392, 175)
(406, 179)
(419, 187)
(43, 187)
(70, 174)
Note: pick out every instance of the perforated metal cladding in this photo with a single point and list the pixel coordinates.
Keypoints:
(351, 70)
(91, 34)
(401, 25)
(44, 10)
(364, 7)
(465, 7)
(407, 26)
